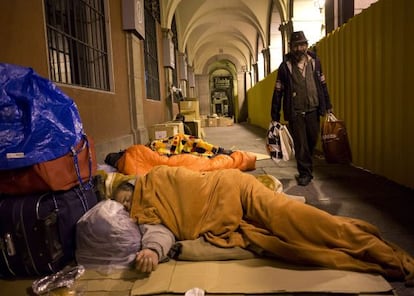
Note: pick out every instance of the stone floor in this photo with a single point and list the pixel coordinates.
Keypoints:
(339, 189)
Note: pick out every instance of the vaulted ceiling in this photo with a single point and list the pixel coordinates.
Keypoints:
(216, 30)
(238, 30)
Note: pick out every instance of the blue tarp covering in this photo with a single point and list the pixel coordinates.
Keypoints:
(38, 122)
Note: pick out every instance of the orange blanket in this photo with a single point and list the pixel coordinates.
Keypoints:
(140, 159)
(231, 208)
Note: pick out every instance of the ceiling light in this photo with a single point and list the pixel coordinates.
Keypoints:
(320, 4)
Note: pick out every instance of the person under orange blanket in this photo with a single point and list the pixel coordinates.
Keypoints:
(183, 143)
(230, 208)
(140, 159)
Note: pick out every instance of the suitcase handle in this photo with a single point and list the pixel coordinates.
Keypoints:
(79, 193)
(50, 231)
(8, 250)
(9, 244)
(48, 226)
(56, 209)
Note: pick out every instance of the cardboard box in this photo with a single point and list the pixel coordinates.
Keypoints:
(253, 277)
(204, 122)
(225, 121)
(165, 130)
(189, 115)
(195, 126)
(212, 122)
(190, 109)
(230, 277)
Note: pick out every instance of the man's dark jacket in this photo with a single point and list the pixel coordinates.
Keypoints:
(283, 89)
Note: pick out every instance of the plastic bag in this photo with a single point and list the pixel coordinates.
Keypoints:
(279, 142)
(64, 278)
(286, 141)
(38, 122)
(107, 238)
(273, 144)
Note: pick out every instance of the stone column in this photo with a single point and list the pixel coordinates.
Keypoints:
(169, 65)
(286, 29)
(266, 61)
(136, 69)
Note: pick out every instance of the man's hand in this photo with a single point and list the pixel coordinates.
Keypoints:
(146, 261)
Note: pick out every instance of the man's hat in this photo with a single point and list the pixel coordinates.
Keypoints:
(298, 37)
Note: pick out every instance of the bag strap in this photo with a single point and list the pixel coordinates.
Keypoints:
(86, 185)
(331, 117)
(83, 198)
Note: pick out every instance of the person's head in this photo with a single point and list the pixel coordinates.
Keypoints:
(123, 194)
(298, 45)
(180, 117)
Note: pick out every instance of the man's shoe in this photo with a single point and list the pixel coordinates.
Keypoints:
(304, 180)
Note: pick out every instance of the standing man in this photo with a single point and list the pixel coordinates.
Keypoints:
(301, 85)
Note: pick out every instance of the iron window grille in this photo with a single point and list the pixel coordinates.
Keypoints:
(77, 42)
(151, 57)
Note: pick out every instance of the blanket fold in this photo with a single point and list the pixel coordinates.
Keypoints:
(230, 208)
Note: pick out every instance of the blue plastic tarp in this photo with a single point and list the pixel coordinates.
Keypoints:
(38, 122)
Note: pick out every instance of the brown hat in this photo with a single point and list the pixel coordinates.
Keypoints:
(298, 37)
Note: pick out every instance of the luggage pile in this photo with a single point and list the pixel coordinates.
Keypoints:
(47, 169)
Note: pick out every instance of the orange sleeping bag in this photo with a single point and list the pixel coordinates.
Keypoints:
(140, 159)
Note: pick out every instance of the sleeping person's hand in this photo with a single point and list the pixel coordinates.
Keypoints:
(146, 261)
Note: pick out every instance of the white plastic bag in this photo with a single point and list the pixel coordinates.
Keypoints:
(273, 141)
(279, 142)
(286, 142)
(107, 238)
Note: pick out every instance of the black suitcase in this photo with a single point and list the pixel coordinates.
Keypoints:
(37, 232)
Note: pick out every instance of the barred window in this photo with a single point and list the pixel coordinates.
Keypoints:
(150, 50)
(175, 42)
(77, 42)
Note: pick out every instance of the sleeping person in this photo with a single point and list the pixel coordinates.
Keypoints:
(229, 208)
(108, 239)
(108, 225)
(156, 239)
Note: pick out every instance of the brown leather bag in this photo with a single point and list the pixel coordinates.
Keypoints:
(335, 143)
(76, 167)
